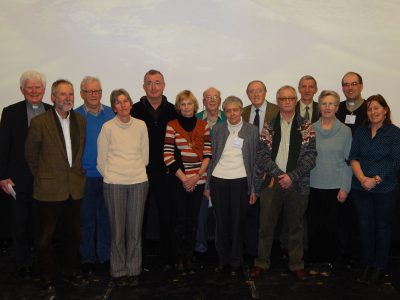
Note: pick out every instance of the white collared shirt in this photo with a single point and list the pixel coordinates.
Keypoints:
(261, 113)
(67, 136)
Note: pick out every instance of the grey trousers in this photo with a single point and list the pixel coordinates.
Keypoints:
(125, 206)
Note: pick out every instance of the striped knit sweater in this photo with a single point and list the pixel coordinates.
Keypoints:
(178, 153)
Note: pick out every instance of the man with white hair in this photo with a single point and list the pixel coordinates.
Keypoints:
(14, 171)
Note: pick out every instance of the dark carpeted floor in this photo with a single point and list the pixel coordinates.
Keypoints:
(206, 283)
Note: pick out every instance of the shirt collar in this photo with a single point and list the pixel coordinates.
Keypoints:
(33, 107)
(205, 115)
(95, 114)
(61, 118)
(262, 108)
(303, 106)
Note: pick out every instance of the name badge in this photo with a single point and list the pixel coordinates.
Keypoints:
(237, 143)
(350, 119)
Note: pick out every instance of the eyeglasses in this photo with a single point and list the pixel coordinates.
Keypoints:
(288, 99)
(208, 98)
(350, 84)
(92, 92)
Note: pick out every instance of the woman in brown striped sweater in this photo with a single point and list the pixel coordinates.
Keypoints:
(187, 152)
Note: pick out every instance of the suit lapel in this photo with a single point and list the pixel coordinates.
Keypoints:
(54, 127)
(21, 118)
(246, 113)
(315, 115)
(74, 131)
(297, 108)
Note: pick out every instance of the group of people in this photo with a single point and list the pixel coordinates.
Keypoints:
(318, 166)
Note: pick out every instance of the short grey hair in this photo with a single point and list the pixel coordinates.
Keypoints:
(326, 93)
(232, 100)
(286, 87)
(32, 75)
(308, 77)
(58, 82)
(87, 79)
(212, 88)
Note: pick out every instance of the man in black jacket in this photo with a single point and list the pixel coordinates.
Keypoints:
(14, 171)
(156, 112)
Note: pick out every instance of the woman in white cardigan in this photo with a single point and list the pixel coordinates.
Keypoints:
(123, 153)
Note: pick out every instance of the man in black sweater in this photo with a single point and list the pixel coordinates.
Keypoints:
(156, 112)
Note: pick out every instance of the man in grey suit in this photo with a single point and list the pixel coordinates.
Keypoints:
(306, 106)
(14, 171)
(53, 151)
(259, 112)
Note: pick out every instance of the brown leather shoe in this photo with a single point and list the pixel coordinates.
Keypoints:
(299, 274)
(256, 272)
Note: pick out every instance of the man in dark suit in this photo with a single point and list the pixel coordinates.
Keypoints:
(306, 106)
(53, 151)
(14, 171)
(259, 112)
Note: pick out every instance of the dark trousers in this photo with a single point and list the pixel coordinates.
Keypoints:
(322, 217)
(63, 216)
(95, 226)
(164, 200)
(22, 222)
(186, 212)
(375, 212)
(202, 227)
(252, 226)
(230, 198)
(348, 230)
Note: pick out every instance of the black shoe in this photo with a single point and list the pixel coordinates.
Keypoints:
(132, 281)
(235, 271)
(88, 268)
(364, 276)
(222, 269)
(120, 281)
(326, 270)
(48, 290)
(167, 267)
(25, 273)
(377, 276)
(76, 280)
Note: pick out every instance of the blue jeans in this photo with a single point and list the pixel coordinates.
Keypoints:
(375, 211)
(95, 226)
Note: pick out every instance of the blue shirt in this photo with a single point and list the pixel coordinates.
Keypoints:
(377, 156)
(93, 127)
